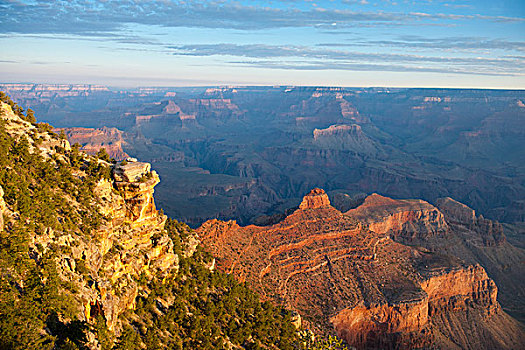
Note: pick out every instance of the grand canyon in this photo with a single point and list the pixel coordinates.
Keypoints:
(262, 175)
(250, 152)
(388, 218)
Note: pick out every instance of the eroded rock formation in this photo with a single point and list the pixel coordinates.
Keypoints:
(92, 140)
(103, 265)
(317, 198)
(487, 231)
(404, 220)
(132, 243)
(371, 291)
(453, 229)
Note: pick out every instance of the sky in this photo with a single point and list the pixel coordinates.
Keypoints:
(355, 43)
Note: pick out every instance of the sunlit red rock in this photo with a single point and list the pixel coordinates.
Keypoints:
(371, 291)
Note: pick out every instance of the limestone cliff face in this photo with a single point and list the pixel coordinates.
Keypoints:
(387, 326)
(405, 322)
(132, 243)
(218, 108)
(405, 220)
(105, 268)
(454, 289)
(370, 290)
(346, 137)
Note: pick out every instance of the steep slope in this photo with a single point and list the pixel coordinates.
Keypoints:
(404, 220)
(78, 226)
(88, 262)
(451, 228)
(479, 240)
(92, 140)
(373, 292)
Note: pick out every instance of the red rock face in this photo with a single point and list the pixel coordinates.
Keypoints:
(368, 326)
(92, 140)
(404, 220)
(317, 198)
(455, 288)
(484, 232)
(368, 289)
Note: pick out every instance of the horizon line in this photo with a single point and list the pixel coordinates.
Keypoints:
(232, 86)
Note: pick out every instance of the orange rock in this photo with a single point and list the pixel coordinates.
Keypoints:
(315, 199)
(371, 291)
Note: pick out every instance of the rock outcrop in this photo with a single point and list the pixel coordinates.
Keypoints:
(105, 265)
(371, 291)
(132, 243)
(131, 171)
(92, 140)
(488, 232)
(405, 220)
(317, 198)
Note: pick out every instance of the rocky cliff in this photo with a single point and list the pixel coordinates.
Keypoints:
(481, 241)
(347, 137)
(451, 228)
(88, 262)
(92, 140)
(373, 292)
(132, 243)
(107, 229)
(405, 220)
(488, 232)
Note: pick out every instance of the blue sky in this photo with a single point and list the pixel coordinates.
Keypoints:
(425, 43)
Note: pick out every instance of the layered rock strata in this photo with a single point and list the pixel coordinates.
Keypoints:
(488, 232)
(405, 220)
(92, 140)
(131, 243)
(451, 228)
(344, 278)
